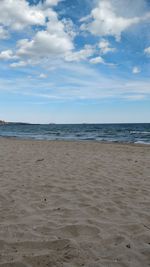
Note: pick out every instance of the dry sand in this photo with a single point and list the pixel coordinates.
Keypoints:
(71, 204)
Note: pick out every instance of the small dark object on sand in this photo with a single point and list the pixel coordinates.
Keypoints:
(39, 160)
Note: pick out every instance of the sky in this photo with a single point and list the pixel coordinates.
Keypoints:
(75, 61)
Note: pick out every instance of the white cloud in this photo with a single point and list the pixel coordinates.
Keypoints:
(97, 60)
(82, 54)
(18, 64)
(45, 44)
(136, 70)
(70, 28)
(100, 60)
(51, 2)
(53, 42)
(7, 55)
(107, 20)
(147, 50)
(17, 14)
(43, 76)
(104, 46)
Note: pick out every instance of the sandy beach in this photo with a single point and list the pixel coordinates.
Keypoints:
(71, 204)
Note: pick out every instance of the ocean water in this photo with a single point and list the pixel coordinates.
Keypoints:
(126, 133)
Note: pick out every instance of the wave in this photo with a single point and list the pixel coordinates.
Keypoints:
(139, 132)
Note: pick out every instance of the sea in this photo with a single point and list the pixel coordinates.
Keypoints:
(120, 133)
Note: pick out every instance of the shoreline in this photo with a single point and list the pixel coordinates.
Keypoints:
(74, 141)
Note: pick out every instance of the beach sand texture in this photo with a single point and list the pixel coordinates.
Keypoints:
(71, 204)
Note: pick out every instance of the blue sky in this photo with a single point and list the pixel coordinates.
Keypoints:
(73, 61)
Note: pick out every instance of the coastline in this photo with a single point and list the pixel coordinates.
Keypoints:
(80, 203)
(22, 139)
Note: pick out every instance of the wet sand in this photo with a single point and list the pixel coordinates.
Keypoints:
(71, 204)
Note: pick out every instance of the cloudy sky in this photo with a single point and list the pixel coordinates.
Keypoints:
(69, 61)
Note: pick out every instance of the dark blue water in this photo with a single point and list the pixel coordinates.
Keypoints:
(127, 133)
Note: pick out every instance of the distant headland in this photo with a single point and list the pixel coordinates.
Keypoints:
(2, 122)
